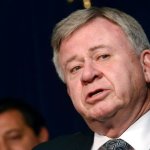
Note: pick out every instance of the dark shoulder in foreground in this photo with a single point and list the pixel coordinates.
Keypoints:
(77, 141)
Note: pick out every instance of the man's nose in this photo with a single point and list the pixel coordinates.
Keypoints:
(90, 73)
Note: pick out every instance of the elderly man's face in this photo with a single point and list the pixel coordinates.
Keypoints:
(15, 134)
(104, 76)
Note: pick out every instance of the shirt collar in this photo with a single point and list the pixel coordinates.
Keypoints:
(137, 135)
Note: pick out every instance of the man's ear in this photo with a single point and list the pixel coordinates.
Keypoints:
(44, 135)
(145, 61)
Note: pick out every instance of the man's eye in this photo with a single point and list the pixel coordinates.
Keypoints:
(15, 137)
(104, 56)
(75, 69)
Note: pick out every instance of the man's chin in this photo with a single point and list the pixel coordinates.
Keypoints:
(101, 118)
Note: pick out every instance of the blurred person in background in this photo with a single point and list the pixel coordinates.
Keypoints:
(21, 126)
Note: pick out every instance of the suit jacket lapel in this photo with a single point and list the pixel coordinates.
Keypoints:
(85, 141)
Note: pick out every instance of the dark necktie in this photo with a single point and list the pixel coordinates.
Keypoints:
(116, 144)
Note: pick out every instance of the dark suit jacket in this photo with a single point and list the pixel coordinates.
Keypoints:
(77, 141)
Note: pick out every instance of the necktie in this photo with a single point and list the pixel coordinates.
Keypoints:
(116, 144)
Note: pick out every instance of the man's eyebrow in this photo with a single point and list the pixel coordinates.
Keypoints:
(97, 47)
(70, 59)
(90, 49)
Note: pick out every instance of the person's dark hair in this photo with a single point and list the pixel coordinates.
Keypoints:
(31, 116)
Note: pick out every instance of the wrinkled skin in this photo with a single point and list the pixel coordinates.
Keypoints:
(105, 78)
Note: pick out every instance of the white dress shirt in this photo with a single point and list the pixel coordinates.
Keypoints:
(137, 135)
